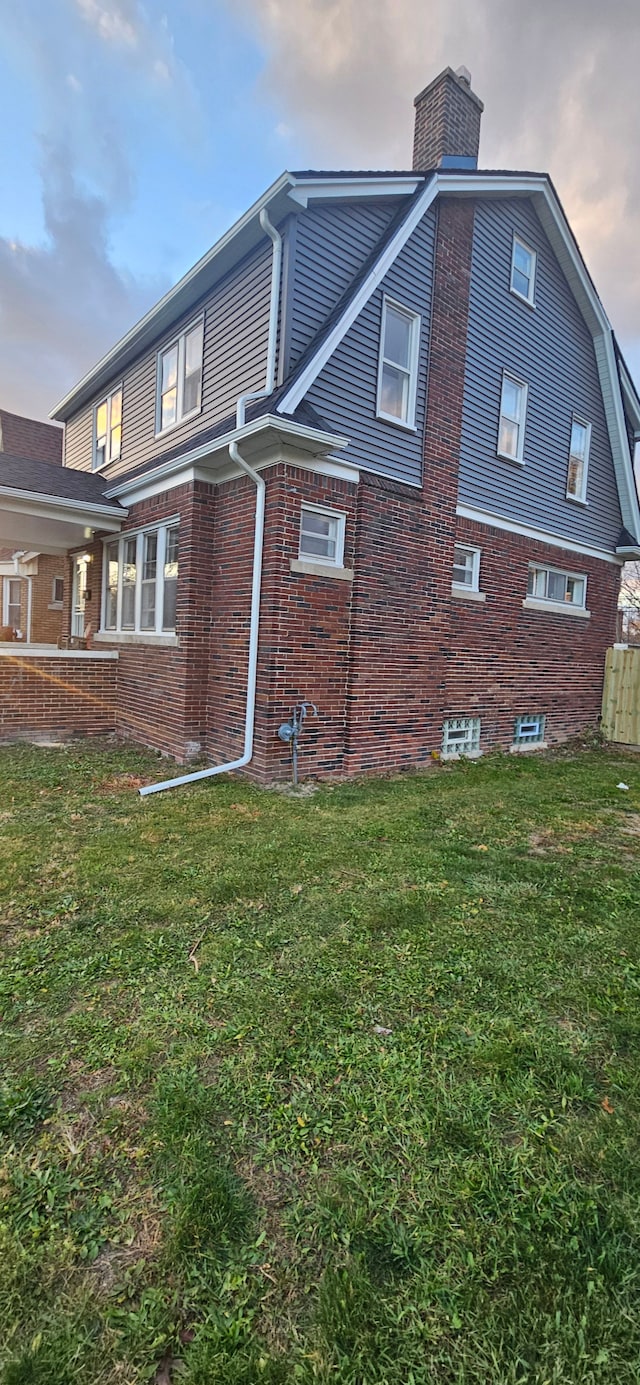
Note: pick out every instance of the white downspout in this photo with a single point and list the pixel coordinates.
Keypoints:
(258, 537)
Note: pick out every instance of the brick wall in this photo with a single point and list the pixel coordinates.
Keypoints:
(56, 695)
(305, 629)
(162, 689)
(505, 661)
(46, 617)
(447, 121)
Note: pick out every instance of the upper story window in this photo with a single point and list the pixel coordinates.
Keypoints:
(578, 459)
(107, 429)
(523, 270)
(140, 582)
(180, 378)
(513, 410)
(322, 535)
(561, 588)
(398, 365)
(466, 567)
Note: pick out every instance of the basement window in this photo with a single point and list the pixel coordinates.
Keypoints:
(321, 535)
(140, 582)
(461, 736)
(523, 270)
(107, 429)
(528, 730)
(398, 364)
(179, 378)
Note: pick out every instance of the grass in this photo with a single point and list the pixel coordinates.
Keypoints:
(216, 1169)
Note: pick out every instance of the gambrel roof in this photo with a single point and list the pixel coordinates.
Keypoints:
(416, 193)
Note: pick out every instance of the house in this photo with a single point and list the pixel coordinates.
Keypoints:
(374, 452)
(32, 584)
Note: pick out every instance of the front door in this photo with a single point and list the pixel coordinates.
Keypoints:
(79, 596)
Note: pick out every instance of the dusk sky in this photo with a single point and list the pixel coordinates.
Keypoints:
(135, 134)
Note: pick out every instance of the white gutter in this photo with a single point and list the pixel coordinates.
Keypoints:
(258, 535)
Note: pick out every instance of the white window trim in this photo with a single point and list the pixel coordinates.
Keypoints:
(179, 341)
(475, 575)
(54, 604)
(522, 384)
(531, 300)
(414, 356)
(138, 633)
(106, 399)
(580, 499)
(341, 517)
(544, 603)
(6, 588)
(530, 743)
(453, 754)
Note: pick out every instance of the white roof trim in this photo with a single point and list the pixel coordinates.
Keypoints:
(297, 431)
(287, 188)
(58, 502)
(564, 245)
(306, 190)
(303, 383)
(539, 535)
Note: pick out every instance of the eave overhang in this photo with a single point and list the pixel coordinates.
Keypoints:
(53, 524)
(261, 438)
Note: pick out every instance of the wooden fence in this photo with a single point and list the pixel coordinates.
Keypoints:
(621, 696)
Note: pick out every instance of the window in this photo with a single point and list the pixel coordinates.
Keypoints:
(461, 736)
(523, 270)
(528, 730)
(11, 602)
(321, 535)
(140, 582)
(466, 567)
(578, 459)
(57, 591)
(107, 430)
(180, 378)
(549, 584)
(398, 367)
(513, 408)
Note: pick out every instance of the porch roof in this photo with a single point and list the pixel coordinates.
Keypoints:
(50, 509)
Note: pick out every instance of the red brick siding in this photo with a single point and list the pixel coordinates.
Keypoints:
(51, 695)
(46, 623)
(304, 645)
(28, 437)
(505, 661)
(163, 690)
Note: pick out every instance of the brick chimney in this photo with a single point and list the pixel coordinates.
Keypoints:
(447, 129)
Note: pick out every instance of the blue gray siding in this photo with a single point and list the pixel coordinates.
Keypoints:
(549, 347)
(236, 317)
(345, 392)
(331, 243)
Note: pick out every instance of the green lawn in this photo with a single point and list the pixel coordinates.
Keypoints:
(217, 1165)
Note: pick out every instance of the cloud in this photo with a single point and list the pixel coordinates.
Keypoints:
(63, 301)
(558, 78)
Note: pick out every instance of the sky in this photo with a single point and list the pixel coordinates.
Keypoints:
(136, 133)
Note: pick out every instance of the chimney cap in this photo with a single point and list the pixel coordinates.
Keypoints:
(462, 78)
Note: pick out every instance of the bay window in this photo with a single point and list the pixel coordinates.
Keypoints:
(140, 582)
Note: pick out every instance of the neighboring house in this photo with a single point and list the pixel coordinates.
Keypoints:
(439, 425)
(32, 583)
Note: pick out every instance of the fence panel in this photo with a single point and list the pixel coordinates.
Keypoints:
(621, 696)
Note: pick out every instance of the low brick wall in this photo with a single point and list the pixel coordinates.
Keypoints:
(56, 691)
